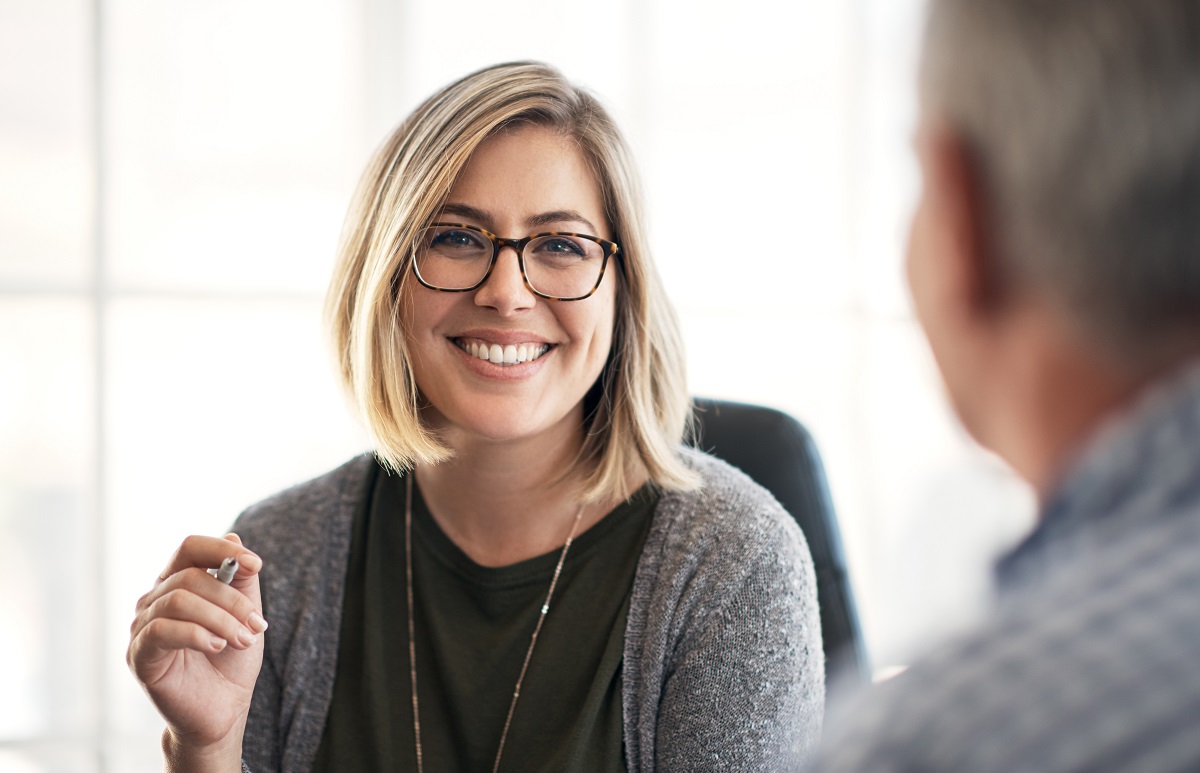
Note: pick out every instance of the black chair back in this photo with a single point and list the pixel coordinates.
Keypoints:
(779, 454)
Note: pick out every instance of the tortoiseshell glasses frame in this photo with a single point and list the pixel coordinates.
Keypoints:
(608, 249)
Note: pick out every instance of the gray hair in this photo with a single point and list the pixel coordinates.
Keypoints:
(1084, 116)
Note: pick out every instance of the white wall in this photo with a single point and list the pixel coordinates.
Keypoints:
(172, 181)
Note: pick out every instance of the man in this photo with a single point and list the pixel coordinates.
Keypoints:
(1054, 264)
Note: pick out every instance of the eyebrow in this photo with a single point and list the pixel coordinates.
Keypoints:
(535, 221)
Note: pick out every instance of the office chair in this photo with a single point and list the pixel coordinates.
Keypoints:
(778, 453)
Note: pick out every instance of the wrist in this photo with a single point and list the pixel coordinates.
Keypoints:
(183, 756)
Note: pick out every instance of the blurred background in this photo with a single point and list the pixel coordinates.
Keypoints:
(173, 178)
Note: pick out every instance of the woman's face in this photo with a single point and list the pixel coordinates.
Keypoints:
(519, 182)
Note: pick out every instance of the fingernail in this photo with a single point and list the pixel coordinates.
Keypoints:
(217, 643)
(256, 622)
(246, 638)
(250, 561)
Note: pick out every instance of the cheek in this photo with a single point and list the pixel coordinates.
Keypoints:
(916, 263)
(420, 312)
(934, 303)
(923, 280)
(915, 251)
(605, 326)
(409, 309)
(595, 331)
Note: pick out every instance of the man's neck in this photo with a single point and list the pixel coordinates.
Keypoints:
(1069, 406)
(1057, 394)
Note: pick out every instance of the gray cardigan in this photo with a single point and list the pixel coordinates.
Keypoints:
(723, 667)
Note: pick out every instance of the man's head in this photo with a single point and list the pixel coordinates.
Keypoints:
(1060, 153)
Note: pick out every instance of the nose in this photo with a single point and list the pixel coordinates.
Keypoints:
(505, 290)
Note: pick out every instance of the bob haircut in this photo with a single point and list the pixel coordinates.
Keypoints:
(637, 411)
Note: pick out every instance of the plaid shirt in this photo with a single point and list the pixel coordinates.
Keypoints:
(1090, 659)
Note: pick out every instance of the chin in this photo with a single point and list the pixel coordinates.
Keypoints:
(965, 402)
(505, 431)
(496, 423)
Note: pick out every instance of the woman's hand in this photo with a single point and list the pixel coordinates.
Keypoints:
(196, 648)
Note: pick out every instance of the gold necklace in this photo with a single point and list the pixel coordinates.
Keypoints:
(412, 647)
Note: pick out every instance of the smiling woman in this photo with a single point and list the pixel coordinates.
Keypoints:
(521, 178)
(530, 572)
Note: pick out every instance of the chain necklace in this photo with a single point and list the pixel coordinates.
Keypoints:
(412, 647)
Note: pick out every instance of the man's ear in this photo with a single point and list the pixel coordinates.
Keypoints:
(957, 189)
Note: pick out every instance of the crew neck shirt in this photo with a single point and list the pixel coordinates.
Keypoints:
(472, 630)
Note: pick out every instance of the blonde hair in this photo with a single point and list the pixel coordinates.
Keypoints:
(637, 413)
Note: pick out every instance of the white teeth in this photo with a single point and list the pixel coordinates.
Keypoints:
(510, 354)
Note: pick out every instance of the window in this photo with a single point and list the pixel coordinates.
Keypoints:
(175, 178)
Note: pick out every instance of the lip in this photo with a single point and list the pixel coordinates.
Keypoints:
(493, 372)
(502, 337)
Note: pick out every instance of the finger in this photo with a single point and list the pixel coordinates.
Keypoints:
(152, 650)
(165, 600)
(185, 606)
(235, 539)
(209, 552)
(248, 583)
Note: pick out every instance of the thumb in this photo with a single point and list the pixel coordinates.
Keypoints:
(246, 579)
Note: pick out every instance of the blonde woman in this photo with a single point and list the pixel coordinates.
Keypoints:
(530, 572)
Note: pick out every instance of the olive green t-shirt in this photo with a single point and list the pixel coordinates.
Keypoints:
(473, 625)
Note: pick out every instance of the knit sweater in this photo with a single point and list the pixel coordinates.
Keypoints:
(723, 667)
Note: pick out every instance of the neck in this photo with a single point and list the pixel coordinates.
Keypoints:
(503, 502)
(1057, 392)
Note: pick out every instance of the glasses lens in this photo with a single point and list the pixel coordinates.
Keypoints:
(564, 266)
(452, 258)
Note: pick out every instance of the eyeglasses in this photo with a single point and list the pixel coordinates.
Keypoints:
(557, 266)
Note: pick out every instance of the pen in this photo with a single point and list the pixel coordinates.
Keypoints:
(228, 569)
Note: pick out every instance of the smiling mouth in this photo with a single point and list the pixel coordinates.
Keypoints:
(497, 354)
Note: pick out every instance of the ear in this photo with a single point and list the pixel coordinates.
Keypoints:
(957, 197)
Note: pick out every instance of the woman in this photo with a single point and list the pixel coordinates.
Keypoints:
(530, 573)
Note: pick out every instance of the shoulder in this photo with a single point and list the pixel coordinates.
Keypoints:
(290, 519)
(728, 519)
(722, 621)
(921, 719)
(1107, 641)
(727, 540)
(968, 705)
(303, 536)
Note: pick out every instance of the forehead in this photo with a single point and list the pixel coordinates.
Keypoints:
(524, 171)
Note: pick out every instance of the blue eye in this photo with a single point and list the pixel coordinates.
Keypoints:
(561, 247)
(457, 240)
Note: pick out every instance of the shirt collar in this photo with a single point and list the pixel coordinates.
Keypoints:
(1142, 463)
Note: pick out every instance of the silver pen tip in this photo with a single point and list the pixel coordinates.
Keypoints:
(228, 569)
